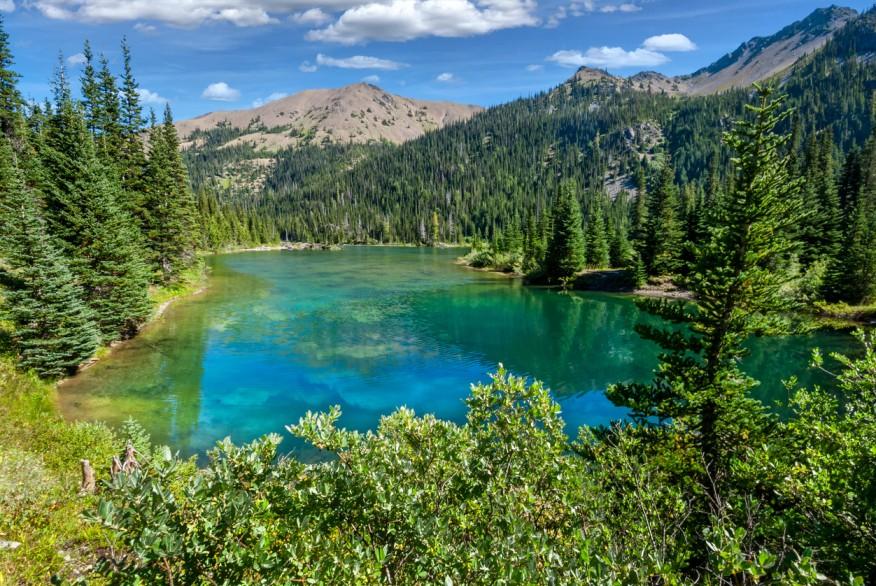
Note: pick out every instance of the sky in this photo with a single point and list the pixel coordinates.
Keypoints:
(208, 55)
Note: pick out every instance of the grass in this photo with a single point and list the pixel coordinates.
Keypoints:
(40, 505)
(40, 469)
(190, 281)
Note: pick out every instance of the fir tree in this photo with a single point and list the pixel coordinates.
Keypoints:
(10, 98)
(52, 326)
(109, 123)
(100, 238)
(699, 386)
(168, 208)
(663, 238)
(595, 237)
(565, 251)
(90, 89)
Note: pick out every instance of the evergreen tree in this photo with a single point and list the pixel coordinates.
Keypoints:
(132, 154)
(10, 98)
(565, 252)
(699, 386)
(595, 237)
(639, 212)
(52, 326)
(91, 102)
(663, 238)
(168, 208)
(851, 275)
(109, 123)
(100, 238)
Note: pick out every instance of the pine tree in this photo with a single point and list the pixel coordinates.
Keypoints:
(639, 212)
(699, 386)
(90, 90)
(131, 155)
(109, 123)
(52, 326)
(10, 98)
(851, 275)
(565, 251)
(100, 238)
(595, 237)
(168, 208)
(663, 238)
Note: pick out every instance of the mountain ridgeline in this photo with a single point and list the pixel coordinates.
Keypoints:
(491, 172)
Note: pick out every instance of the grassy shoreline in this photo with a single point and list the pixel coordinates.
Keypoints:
(44, 534)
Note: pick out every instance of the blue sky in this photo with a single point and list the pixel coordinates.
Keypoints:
(205, 55)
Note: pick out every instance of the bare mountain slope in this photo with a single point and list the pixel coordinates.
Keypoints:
(755, 60)
(763, 57)
(355, 113)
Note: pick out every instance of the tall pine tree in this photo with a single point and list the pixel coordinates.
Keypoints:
(53, 329)
(565, 251)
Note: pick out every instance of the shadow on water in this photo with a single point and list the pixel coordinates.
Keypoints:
(371, 329)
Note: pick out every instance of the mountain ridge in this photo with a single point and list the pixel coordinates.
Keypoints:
(754, 60)
(357, 113)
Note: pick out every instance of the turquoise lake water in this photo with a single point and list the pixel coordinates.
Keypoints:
(279, 333)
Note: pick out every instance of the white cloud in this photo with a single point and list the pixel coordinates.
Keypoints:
(185, 13)
(312, 17)
(669, 42)
(446, 77)
(271, 98)
(534, 67)
(150, 97)
(402, 20)
(581, 7)
(142, 27)
(221, 92)
(7, 5)
(372, 79)
(307, 67)
(358, 62)
(650, 54)
(76, 60)
(609, 57)
(625, 7)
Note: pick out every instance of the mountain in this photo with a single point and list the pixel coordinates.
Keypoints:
(358, 113)
(492, 173)
(764, 57)
(754, 60)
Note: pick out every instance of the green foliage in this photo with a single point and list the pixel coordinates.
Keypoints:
(565, 251)
(52, 327)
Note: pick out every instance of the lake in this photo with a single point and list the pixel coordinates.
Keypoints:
(370, 329)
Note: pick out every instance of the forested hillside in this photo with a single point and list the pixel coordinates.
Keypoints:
(90, 217)
(492, 172)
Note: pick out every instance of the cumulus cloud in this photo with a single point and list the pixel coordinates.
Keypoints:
(7, 5)
(221, 92)
(609, 58)
(76, 60)
(650, 54)
(372, 79)
(307, 67)
(446, 77)
(188, 13)
(534, 67)
(150, 97)
(312, 17)
(402, 20)
(271, 98)
(338, 21)
(668, 43)
(358, 62)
